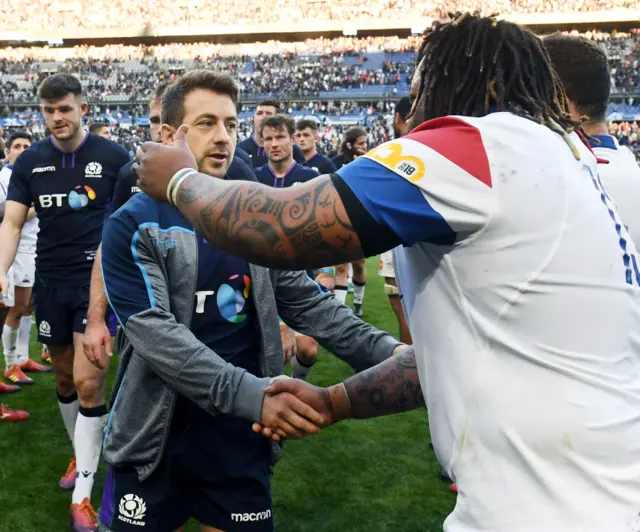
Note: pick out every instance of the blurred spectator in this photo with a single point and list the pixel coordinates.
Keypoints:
(43, 15)
(129, 73)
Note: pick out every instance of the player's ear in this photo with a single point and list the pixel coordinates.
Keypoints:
(84, 108)
(167, 134)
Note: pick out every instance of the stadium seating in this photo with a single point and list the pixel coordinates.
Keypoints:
(45, 15)
(333, 80)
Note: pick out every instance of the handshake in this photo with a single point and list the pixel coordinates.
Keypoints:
(293, 408)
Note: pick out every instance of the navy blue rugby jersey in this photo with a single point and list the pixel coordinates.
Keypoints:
(71, 193)
(298, 173)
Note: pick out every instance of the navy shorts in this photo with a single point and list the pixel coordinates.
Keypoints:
(214, 470)
(60, 312)
(112, 322)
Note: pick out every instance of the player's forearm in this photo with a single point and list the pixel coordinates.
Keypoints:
(390, 387)
(98, 303)
(10, 238)
(295, 228)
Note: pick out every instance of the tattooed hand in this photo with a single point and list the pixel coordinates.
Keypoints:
(156, 164)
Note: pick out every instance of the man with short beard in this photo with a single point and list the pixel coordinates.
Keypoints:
(200, 342)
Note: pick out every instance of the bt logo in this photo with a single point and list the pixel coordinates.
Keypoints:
(231, 302)
(78, 198)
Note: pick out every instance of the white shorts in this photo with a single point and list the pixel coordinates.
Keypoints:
(9, 298)
(24, 269)
(386, 265)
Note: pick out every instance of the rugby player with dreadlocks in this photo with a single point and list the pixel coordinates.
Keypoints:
(520, 282)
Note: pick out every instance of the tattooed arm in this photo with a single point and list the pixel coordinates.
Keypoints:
(388, 388)
(294, 228)
(318, 223)
(391, 387)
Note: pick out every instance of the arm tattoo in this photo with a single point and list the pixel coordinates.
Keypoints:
(294, 228)
(390, 387)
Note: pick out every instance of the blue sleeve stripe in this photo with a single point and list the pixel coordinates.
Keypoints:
(143, 270)
(396, 203)
(106, 292)
(321, 289)
(136, 258)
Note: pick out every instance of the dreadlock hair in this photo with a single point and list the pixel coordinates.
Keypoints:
(475, 64)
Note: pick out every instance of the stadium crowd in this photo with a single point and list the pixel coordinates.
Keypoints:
(119, 72)
(49, 14)
(130, 105)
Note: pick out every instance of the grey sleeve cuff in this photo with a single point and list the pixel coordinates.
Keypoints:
(249, 397)
(384, 349)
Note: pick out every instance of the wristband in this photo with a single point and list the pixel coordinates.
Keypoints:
(175, 182)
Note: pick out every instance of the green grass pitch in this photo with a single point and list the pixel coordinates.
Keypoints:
(358, 476)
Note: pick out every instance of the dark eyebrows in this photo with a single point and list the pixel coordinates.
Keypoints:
(62, 108)
(211, 116)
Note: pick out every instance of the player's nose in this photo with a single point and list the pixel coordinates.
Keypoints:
(221, 136)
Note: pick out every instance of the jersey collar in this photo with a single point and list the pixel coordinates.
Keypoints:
(280, 180)
(606, 141)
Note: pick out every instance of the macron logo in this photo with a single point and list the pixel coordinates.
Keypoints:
(40, 169)
(259, 516)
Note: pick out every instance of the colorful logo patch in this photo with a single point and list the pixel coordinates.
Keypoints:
(232, 302)
(80, 196)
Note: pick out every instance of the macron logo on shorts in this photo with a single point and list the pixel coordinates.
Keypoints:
(40, 169)
(132, 510)
(45, 329)
(258, 516)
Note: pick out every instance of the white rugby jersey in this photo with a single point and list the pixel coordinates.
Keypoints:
(521, 288)
(621, 180)
(30, 229)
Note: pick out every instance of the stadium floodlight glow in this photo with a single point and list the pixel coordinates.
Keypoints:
(350, 31)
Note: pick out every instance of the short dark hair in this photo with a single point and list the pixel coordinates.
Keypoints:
(58, 86)
(20, 134)
(97, 126)
(583, 69)
(403, 107)
(279, 122)
(305, 123)
(172, 112)
(158, 93)
(269, 103)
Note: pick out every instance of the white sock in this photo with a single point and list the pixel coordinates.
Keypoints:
(9, 337)
(88, 443)
(341, 294)
(69, 409)
(24, 335)
(299, 370)
(358, 293)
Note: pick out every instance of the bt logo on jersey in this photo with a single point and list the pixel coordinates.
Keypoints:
(49, 200)
(230, 302)
(78, 198)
